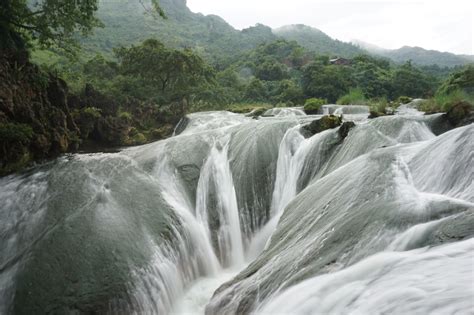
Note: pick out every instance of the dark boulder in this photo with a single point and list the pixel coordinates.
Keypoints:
(345, 128)
(460, 114)
(319, 125)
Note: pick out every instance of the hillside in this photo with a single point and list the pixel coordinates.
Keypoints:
(317, 41)
(127, 22)
(417, 55)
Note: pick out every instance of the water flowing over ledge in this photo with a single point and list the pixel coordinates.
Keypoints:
(292, 224)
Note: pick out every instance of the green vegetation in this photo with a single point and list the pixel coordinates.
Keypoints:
(244, 108)
(461, 80)
(312, 105)
(47, 23)
(443, 102)
(14, 139)
(136, 76)
(457, 88)
(354, 97)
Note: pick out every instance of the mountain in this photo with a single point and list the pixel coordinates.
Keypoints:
(417, 55)
(128, 22)
(423, 56)
(317, 41)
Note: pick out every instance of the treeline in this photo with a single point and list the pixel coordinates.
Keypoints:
(280, 73)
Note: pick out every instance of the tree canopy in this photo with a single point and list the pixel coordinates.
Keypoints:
(49, 22)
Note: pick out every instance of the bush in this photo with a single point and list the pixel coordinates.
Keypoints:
(442, 102)
(15, 133)
(354, 97)
(314, 104)
(378, 105)
(92, 112)
(125, 116)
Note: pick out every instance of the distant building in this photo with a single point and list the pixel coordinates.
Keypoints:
(340, 62)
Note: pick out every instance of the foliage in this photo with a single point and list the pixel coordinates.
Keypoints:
(47, 23)
(408, 80)
(255, 91)
(173, 74)
(314, 104)
(15, 133)
(125, 116)
(92, 112)
(354, 97)
(288, 91)
(442, 102)
(461, 80)
(326, 81)
(378, 105)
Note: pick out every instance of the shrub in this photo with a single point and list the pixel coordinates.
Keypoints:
(314, 104)
(378, 105)
(354, 97)
(15, 133)
(92, 112)
(125, 116)
(442, 102)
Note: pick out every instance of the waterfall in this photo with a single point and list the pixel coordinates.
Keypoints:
(234, 215)
(216, 182)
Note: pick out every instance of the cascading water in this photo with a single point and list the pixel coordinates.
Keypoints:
(216, 181)
(378, 222)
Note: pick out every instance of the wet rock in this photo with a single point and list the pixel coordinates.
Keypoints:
(181, 126)
(461, 114)
(259, 111)
(345, 128)
(374, 114)
(319, 125)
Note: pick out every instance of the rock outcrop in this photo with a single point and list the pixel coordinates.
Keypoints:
(40, 119)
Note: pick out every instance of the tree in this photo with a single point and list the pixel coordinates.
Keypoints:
(49, 22)
(256, 91)
(175, 74)
(326, 81)
(408, 80)
(289, 91)
(271, 70)
(459, 80)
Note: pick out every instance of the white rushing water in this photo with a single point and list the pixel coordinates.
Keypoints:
(412, 282)
(241, 216)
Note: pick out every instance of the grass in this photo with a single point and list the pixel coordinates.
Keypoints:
(378, 105)
(442, 102)
(354, 97)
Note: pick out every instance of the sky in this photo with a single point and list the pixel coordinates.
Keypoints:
(431, 24)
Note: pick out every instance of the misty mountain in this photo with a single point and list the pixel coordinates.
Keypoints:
(315, 40)
(128, 22)
(417, 55)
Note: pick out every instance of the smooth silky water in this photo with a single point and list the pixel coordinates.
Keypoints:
(234, 215)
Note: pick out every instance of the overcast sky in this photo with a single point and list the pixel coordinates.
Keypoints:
(431, 24)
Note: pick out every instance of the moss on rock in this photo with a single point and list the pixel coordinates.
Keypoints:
(319, 125)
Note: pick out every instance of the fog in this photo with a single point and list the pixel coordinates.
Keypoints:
(439, 25)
